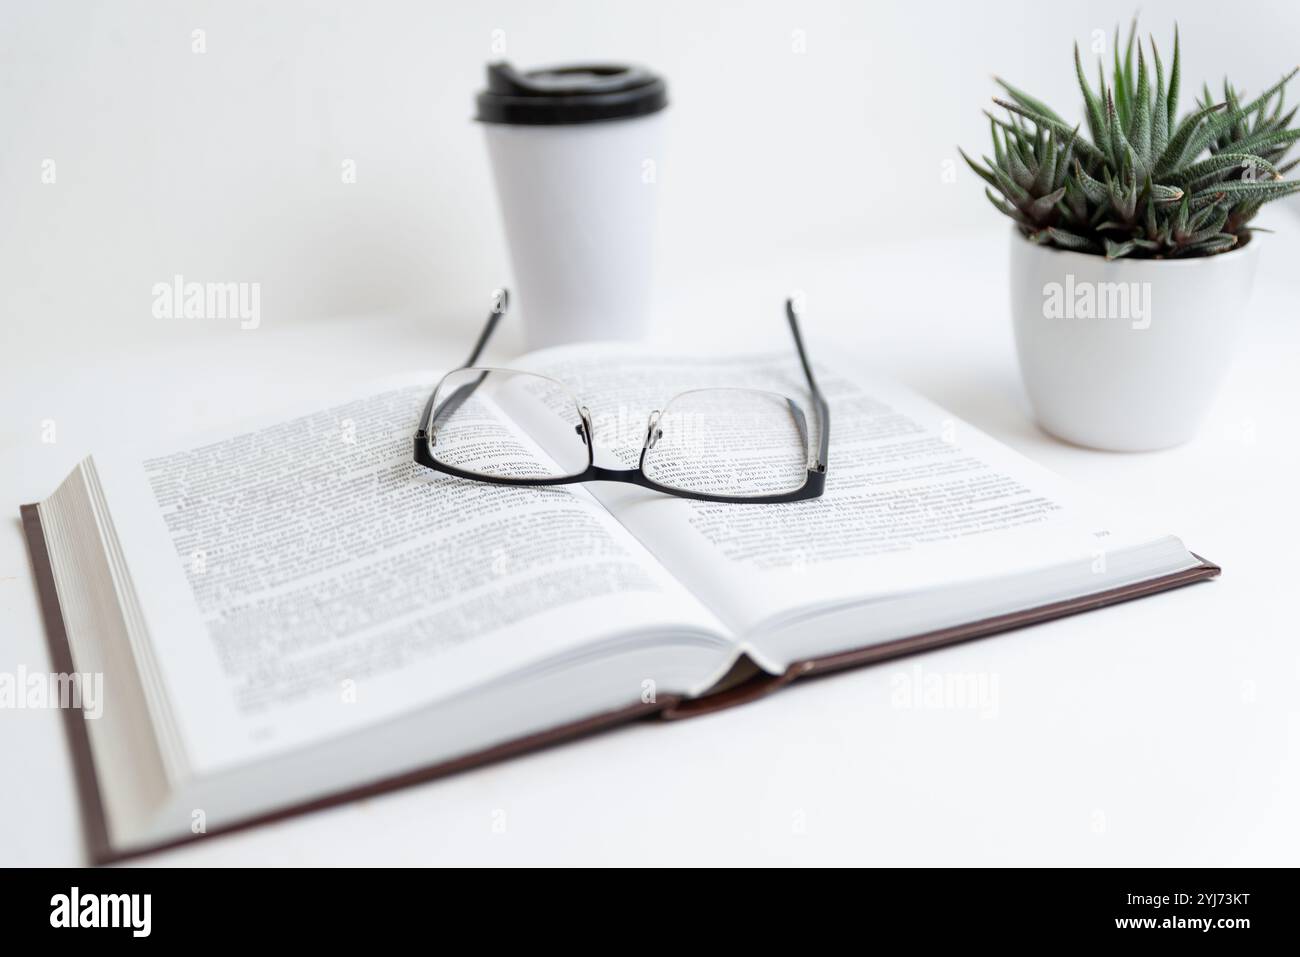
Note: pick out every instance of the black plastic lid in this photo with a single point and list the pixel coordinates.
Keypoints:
(560, 95)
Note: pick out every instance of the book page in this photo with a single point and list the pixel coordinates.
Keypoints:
(915, 498)
(305, 577)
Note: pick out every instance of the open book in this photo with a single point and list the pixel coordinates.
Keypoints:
(294, 613)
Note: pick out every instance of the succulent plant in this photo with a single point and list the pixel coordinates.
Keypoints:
(1143, 182)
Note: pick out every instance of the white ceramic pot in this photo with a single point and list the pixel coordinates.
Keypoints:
(1126, 355)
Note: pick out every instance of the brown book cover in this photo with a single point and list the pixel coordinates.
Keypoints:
(744, 684)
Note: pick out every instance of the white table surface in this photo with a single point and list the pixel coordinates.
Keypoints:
(1163, 731)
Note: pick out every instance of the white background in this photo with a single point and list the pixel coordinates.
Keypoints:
(226, 166)
(1161, 732)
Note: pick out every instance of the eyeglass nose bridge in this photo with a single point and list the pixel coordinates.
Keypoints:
(652, 432)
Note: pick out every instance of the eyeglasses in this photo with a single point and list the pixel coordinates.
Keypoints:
(508, 427)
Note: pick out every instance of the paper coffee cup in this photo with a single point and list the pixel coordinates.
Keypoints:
(575, 154)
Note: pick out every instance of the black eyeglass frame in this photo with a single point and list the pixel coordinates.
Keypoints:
(814, 482)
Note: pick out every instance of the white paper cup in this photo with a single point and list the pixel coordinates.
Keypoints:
(577, 181)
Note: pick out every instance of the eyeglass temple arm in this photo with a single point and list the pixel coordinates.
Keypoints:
(500, 303)
(823, 410)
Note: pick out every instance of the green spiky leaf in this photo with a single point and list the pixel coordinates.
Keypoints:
(1273, 189)
(1241, 162)
(1116, 250)
(1069, 240)
(1093, 154)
